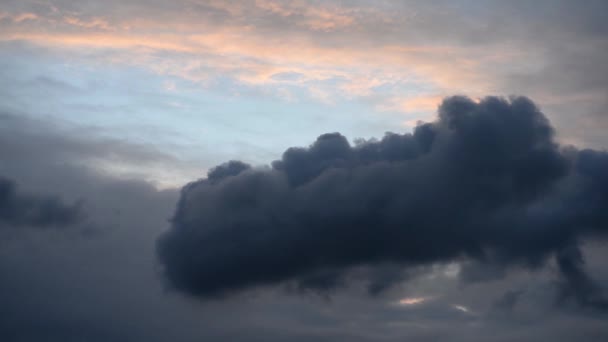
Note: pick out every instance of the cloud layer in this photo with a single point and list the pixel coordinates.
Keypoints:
(381, 55)
(484, 182)
(18, 209)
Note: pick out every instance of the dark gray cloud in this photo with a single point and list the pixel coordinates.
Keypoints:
(578, 284)
(484, 182)
(18, 209)
(66, 284)
(62, 285)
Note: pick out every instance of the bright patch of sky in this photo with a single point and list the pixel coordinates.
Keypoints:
(211, 81)
(204, 123)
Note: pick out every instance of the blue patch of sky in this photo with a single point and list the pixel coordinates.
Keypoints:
(215, 122)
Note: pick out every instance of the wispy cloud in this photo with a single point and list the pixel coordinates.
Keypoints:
(396, 57)
(408, 301)
(240, 48)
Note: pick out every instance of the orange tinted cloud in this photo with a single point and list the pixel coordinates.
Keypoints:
(421, 103)
(93, 23)
(254, 58)
(318, 18)
(19, 17)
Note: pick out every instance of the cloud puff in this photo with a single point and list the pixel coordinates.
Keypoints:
(484, 182)
(19, 209)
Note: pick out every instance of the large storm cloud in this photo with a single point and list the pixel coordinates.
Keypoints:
(485, 182)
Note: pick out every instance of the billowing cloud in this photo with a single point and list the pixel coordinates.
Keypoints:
(19, 209)
(110, 102)
(577, 284)
(484, 182)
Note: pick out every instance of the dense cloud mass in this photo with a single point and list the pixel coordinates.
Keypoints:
(485, 182)
(19, 209)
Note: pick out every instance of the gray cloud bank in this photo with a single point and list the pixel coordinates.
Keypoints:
(19, 209)
(484, 182)
(71, 285)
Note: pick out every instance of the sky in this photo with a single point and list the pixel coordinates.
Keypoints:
(299, 170)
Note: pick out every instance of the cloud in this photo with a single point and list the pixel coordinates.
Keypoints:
(62, 285)
(381, 53)
(27, 210)
(577, 283)
(23, 142)
(484, 182)
(18, 18)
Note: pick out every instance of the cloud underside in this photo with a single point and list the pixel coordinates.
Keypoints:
(485, 182)
(18, 209)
